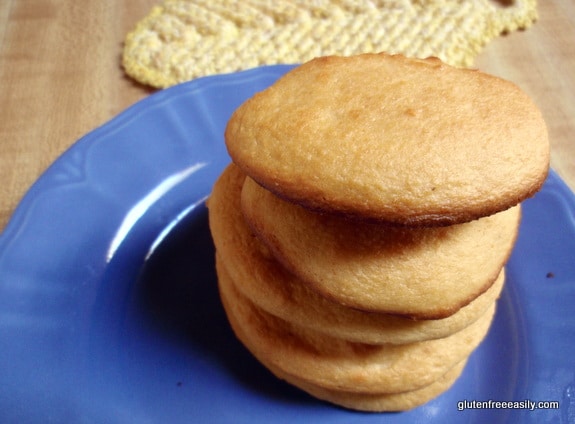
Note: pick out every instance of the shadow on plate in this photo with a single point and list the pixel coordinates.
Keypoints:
(178, 292)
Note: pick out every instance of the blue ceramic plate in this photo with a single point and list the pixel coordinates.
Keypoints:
(109, 311)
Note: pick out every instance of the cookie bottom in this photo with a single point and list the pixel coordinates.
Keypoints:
(376, 402)
(343, 366)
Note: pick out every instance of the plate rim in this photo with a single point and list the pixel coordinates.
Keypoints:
(18, 218)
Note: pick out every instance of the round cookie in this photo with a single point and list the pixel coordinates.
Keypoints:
(266, 283)
(423, 273)
(376, 402)
(383, 137)
(339, 365)
(289, 302)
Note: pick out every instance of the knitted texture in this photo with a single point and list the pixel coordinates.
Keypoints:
(183, 39)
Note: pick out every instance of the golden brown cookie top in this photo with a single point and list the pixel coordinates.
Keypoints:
(421, 273)
(273, 288)
(383, 137)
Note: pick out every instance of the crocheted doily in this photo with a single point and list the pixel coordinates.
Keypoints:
(183, 39)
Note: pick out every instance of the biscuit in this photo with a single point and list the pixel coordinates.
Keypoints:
(424, 273)
(265, 282)
(331, 319)
(382, 137)
(377, 402)
(340, 365)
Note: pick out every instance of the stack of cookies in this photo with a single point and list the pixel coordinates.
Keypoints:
(363, 227)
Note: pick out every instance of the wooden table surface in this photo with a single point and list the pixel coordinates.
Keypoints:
(60, 77)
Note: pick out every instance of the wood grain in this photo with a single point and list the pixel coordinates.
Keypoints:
(541, 61)
(60, 77)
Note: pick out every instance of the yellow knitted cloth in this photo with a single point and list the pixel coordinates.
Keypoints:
(183, 39)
